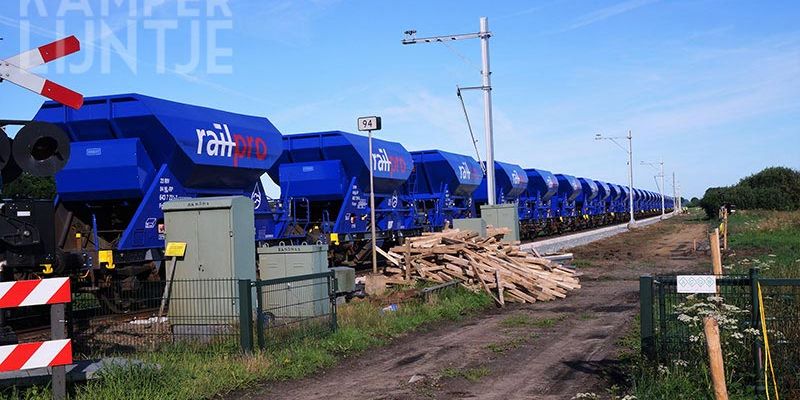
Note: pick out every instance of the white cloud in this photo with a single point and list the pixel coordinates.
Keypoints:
(608, 12)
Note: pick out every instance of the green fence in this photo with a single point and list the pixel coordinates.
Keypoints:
(287, 309)
(671, 323)
(208, 315)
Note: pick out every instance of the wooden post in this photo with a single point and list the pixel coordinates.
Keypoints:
(694, 246)
(499, 287)
(715, 360)
(716, 255)
(408, 260)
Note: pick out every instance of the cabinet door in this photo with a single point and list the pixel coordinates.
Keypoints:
(214, 239)
(182, 227)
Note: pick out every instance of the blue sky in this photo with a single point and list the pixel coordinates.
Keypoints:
(711, 86)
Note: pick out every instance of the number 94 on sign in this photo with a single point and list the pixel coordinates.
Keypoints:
(369, 123)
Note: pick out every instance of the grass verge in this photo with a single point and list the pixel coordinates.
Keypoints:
(769, 240)
(185, 374)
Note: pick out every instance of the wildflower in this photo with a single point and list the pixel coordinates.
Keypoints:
(694, 338)
(684, 318)
(663, 370)
(715, 299)
(681, 363)
(752, 331)
(586, 396)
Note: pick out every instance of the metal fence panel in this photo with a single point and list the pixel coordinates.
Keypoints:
(126, 317)
(294, 307)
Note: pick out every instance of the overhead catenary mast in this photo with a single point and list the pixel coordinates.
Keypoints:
(484, 34)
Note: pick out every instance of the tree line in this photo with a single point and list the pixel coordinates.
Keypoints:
(774, 188)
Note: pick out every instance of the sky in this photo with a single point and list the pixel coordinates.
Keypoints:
(712, 87)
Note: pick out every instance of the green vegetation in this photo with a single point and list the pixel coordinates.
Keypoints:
(522, 320)
(775, 188)
(29, 186)
(516, 321)
(585, 316)
(185, 374)
(504, 346)
(769, 240)
(470, 374)
(648, 381)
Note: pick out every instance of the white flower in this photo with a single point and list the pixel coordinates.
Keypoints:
(663, 370)
(752, 331)
(681, 363)
(715, 299)
(694, 338)
(586, 396)
(684, 318)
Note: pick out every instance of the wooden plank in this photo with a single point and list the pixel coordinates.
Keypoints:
(499, 288)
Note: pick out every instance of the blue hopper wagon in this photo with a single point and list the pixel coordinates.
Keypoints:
(441, 187)
(131, 153)
(564, 206)
(510, 181)
(536, 213)
(324, 181)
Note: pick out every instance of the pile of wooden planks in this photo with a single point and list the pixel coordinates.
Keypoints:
(501, 269)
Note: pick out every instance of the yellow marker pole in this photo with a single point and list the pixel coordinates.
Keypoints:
(725, 230)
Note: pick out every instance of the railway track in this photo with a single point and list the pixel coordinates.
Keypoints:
(42, 330)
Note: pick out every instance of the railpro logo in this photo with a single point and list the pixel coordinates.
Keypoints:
(383, 162)
(465, 171)
(219, 142)
(550, 182)
(515, 178)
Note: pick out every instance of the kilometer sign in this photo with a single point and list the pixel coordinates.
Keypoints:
(369, 123)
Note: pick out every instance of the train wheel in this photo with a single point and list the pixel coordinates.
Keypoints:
(113, 302)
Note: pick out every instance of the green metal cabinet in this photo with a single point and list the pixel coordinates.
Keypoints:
(502, 216)
(298, 299)
(219, 233)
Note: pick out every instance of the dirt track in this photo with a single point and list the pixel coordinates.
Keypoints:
(541, 351)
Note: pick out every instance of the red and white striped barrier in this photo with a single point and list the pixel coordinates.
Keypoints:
(49, 353)
(34, 292)
(35, 355)
(14, 70)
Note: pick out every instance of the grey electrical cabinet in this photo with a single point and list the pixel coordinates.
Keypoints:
(300, 299)
(471, 224)
(502, 216)
(219, 235)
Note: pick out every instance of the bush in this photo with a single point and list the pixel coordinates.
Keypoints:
(29, 186)
(775, 188)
